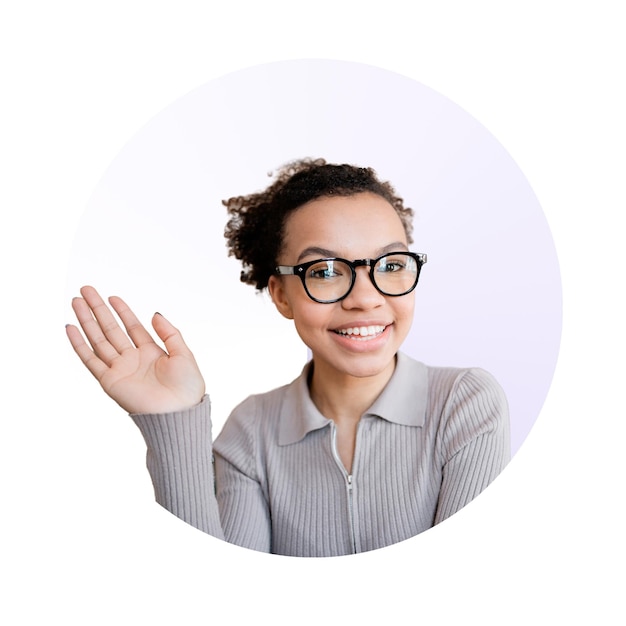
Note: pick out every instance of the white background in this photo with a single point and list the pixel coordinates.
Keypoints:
(83, 541)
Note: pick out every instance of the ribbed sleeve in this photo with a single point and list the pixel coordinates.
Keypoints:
(474, 436)
(179, 459)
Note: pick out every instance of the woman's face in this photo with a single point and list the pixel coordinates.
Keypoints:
(361, 226)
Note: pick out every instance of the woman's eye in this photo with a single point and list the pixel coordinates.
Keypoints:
(325, 271)
(323, 274)
(392, 266)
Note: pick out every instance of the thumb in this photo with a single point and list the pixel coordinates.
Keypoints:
(170, 335)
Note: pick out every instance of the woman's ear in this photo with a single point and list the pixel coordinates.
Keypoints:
(279, 297)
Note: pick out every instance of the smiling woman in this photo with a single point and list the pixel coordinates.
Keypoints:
(367, 447)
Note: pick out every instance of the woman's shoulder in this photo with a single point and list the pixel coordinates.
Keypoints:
(439, 375)
(453, 376)
(270, 402)
(264, 409)
(449, 385)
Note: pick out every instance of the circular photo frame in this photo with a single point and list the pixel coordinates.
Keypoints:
(489, 296)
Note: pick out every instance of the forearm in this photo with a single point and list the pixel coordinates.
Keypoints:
(476, 441)
(470, 472)
(179, 459)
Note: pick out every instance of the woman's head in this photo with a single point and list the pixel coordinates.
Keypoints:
(256, 229)
(353, 329)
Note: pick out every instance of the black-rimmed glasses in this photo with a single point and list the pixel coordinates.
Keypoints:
(331, 280)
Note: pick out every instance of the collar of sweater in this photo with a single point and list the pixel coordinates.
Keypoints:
(402, 401)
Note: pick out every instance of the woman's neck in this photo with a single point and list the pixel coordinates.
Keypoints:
(342, 397)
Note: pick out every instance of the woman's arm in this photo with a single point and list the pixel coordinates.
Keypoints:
(163, 390)
(475, 440)
(179, 460)
(185, 478)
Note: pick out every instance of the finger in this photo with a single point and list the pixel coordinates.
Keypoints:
(171, 337)
(85, 353)
(93, 332)
(109, 327)
(135, 329)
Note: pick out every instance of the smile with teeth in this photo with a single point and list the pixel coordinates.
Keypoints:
(361, 333)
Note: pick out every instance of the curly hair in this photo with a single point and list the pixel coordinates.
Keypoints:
(255, 229)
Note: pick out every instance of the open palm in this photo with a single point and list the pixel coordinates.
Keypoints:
(137, 373)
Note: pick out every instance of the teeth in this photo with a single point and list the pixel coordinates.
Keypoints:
(361, 331)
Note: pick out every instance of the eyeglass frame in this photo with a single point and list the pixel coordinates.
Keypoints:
(300, 271)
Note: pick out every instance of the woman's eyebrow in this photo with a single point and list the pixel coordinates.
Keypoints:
(396, 246)
(314, 250)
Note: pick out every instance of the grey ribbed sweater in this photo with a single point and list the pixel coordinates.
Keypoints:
(430, 443)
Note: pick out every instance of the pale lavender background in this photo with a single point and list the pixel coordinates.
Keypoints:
(489, 296)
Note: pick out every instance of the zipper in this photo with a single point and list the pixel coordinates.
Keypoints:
(349, 486)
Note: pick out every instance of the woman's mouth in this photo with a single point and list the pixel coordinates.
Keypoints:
(361, 333)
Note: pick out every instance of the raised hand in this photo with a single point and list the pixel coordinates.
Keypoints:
(131, 368)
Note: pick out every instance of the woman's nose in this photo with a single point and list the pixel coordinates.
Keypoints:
(364, 294)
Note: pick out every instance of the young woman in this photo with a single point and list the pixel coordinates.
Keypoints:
(367, 447)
